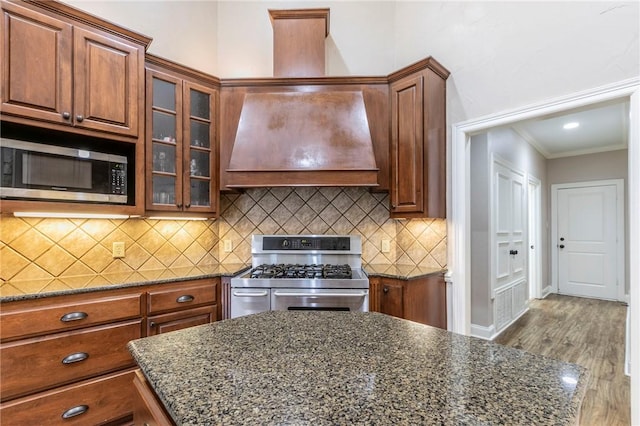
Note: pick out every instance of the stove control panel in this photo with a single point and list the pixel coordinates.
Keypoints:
(306, 243)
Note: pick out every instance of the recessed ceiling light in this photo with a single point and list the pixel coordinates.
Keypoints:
(571, 125)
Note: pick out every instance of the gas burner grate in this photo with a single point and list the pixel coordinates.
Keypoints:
(302, 271)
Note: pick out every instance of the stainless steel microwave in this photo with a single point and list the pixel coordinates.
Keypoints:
(34, 171)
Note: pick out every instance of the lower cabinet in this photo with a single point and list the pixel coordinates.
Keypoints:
(90, 402)
(65, 358)
(422, 300)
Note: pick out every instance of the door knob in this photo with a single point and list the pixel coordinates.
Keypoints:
(561, 246)
(561, 238)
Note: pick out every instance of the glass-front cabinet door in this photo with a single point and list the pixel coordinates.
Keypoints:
(199, 138)
(180, 145)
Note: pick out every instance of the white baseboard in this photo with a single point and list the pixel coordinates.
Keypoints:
(490, 333)
(626, 299)
(483, 332)
(546, 291)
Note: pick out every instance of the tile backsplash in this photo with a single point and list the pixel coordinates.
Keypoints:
(309, 210)
(34, 250)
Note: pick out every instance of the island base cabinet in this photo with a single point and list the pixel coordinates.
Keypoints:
(102, 400)
(148, 410)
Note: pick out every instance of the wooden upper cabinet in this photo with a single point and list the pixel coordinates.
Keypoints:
(36, 61)
(418, 141)
(108, 88)
(181, 142)
(57, 72)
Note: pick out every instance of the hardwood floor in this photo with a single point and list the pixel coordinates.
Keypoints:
(588, 332)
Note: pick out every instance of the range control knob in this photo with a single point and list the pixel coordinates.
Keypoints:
(285, 243)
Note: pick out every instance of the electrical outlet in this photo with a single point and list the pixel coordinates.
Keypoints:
(228, 246)
(117, 250)
(386, 246)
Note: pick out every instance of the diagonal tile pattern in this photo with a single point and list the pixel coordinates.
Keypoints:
(39, 255)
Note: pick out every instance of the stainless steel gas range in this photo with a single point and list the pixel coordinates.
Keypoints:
(302, 272)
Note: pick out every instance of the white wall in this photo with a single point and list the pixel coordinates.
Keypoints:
(510, 146)
(591, 167)
(184, 31)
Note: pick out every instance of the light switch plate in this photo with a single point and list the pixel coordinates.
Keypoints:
(386, 246)
(117, 250)
(228, 246)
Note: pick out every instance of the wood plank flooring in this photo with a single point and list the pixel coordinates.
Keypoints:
(584, 331)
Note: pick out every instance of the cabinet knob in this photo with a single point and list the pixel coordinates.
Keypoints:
(385, 290)
(152, 324)
(75, 411)
(179, 205)
(188, 205)
(66, 115)
(79, 118)
(393, 206)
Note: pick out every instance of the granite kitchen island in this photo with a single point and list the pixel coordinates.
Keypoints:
(341, 368)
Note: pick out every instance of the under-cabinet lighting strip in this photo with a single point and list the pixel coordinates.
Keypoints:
(74, 215)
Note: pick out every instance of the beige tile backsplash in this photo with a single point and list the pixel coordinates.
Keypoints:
(76, 251)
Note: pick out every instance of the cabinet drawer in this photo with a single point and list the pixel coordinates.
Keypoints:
(96, 401)
(182, 298)
(41, 363)
(32, 319)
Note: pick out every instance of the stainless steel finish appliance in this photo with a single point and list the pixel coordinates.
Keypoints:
(48, 172)
(302, 272)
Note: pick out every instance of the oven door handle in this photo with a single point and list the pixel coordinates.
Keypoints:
(243, 294)
(301, 294)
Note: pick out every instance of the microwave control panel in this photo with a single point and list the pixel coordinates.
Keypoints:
(119, 178)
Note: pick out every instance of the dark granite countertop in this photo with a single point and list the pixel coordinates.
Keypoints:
(85, 284)
(341, 368)
(401, 272)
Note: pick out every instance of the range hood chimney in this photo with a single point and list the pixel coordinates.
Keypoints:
(303, 135)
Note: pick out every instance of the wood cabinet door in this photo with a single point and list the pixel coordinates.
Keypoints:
(108, 83)
(36, 57)
(407, 145)
(392, 298)
(173, 321)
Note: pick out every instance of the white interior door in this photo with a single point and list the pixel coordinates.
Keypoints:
(587, 241)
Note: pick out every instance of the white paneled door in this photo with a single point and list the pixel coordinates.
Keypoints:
(509, 225)
(587, 237)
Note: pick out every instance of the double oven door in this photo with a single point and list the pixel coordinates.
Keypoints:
(246, 301)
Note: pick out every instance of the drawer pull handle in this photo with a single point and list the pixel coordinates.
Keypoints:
(186, 298)
(74, 316)
(75, 411)
(76, 357)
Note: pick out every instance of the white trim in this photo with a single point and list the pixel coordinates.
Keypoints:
(459, 231)
(546, 291)
(633, 182)
(483, 332)
(535, 286)
(490, 333)
(620, 244)
(627, 352)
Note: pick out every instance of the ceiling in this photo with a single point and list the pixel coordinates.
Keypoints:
(602, 127)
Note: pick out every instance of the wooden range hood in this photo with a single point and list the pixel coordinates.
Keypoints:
(302, 137)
